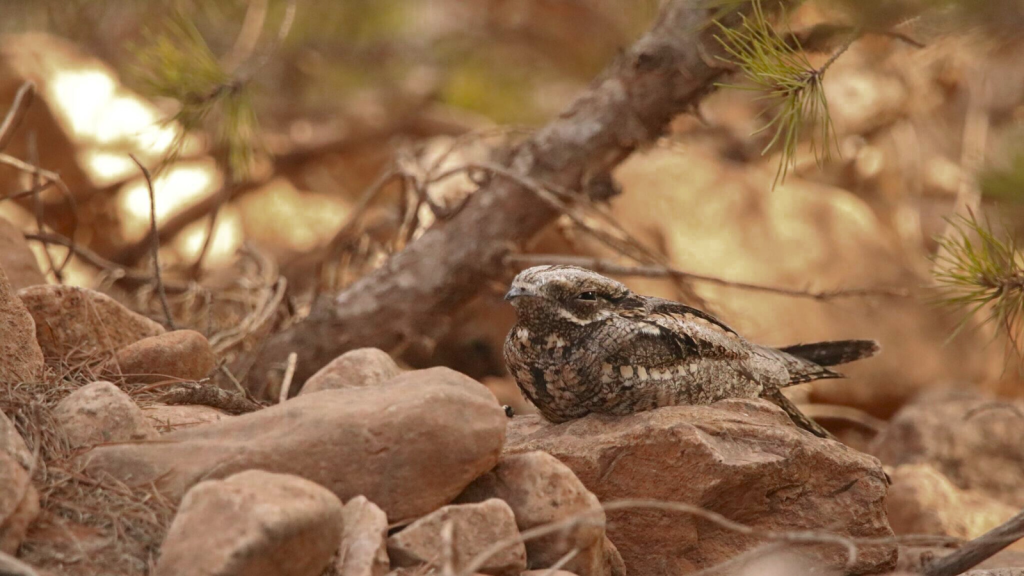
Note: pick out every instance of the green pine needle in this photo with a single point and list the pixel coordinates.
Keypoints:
(979, 272)
(178, 64)
(782, 73)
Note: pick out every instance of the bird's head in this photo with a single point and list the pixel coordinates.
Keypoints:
(565, 293)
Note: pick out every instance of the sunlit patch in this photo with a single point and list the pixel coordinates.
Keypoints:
(79, 96)
(227, 239)
(284, 219)
(179, 186)
(107, 167)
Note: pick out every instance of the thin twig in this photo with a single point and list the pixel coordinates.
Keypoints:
(565, 559)
(978, 550)
(155, 234)
(657, 271)
(37, 204)
(22, 101)
(789, 536)
(289, 373)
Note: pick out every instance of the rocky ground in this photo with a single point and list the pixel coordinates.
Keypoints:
(371, 469)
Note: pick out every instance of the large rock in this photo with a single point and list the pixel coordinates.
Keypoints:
(17, 259)
(364, 549)
(19, 503)
(353, 369)
(21, 359)
(82, 322)
(12, 443)
(100, 412)
(179, 355)
(252, 524)
(923, 501)
(741, 458)
(170, 418)
(541, 490)
(474, 528)
(410, 446)
(969, 438)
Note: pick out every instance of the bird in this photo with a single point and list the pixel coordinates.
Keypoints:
(584, 343)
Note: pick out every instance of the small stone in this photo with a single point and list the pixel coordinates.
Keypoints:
(475, 527)
(19, 503)
(99, 413)
(541, 490)
(77, 321)
(923, 501)
(252, 524)
(21, 359)
(179, 355)
(364, 550)
(166, 418)
(12, 443)
(353, 369)
(410, 445)
(17, 259)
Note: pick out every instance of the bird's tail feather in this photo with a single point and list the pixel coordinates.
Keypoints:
(807, 362)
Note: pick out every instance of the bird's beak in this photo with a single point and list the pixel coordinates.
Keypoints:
(516, 292)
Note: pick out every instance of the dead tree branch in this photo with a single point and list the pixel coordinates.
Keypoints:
(665, 73)
(978, 550)
(155, 246)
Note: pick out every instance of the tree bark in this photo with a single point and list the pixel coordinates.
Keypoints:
(666, 72)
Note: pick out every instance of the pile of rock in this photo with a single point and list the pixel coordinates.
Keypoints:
(371, 470)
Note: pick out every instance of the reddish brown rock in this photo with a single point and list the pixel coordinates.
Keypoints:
(21, 359)
(170, 418)
(178, 355)
(409, 446)
(971, 439)
(353, 369)
(475, 527)
(923, 501)
(19, 503)
(741, 458)
(12, 443)
(364, 550)
(82, 322)
(99, 413)
(541, 490)
(252, 524)
(17, 259)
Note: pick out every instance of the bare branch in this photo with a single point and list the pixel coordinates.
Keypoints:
(665, 73)
(155, 234)
(656, 271)
(22, 101)
(978, 550)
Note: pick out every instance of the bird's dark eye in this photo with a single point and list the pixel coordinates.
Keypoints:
(588, 296)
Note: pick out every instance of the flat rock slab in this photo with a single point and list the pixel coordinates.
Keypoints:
(252, 524)
(743, 459)
(410, 445)
(82, 322)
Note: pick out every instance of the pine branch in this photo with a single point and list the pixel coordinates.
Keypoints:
(776, 66)
(978, 272)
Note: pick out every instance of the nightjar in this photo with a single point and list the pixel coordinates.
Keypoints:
(586, 344)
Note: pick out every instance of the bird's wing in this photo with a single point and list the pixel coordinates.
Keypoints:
(668, 333)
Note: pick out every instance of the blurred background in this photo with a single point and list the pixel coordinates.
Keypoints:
(267, 123)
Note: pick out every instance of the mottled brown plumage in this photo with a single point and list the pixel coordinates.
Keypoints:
(585, 343)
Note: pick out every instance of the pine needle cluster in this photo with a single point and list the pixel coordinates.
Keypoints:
(980, 274)
(777, 68)
(177, 63)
